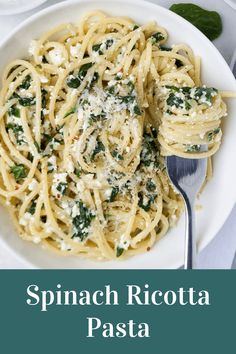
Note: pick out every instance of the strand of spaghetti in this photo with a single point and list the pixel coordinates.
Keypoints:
(228, 94)
(39, 44)
(197, 66)
(28, 135)
(13, 82)
(98, 204)
(5, 176)
(136, 239)
(9, 75)
(103, 245)
(131, 218)
(172, 151)
(6, 108)
(23, 186)
(47, 205)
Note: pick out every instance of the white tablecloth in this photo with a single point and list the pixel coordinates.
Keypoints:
(220, 252)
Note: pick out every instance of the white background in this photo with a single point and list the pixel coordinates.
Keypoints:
(220, 252)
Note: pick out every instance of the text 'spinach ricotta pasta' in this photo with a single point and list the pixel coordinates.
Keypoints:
(85, 124)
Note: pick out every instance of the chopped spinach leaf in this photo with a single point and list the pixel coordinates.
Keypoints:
(110, 90)
(116, 155)
(145, 201)
(118, 77)
(119, 251)
(30, 157)
(71, 111)
(50, 167)
(154, 132)
(137, 110)
(18, 171)
(14, 95)
(44, 98)
(157, 37)
(84, 69)
(130, 85)
(173, 100)
(14, 111)
(212, 134)
(32, 208)
(37, 146)
(114, 192)
(172, 88)
(109, 43)
(98, 148)
(43, 218)
(75, 81)
(25, 83)
(44, 60)
(61, 187)
(150, 185)
(17, 131)
(202, 95)
(23, 101)
(178, 63)
(193, 148)
(77, 172)
(82, 221)
(97, 118)
(27, 101)
(166, 49)
(46, 138)
(96, 48)
(149, 151)
(196, 93)
(95, 77)
(126, 99)
(205, 92)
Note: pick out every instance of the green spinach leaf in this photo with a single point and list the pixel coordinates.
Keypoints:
(17, 131)
(27, 101)
(145, 201)
(114, 192)
(25, 83)
(157, 37)
(117, 155)
(75, 81)
(119, 251)
(193, 148)
(71, 111)
(14, 111)
(82, 221)
(98, 148)
(208, 22)
(61, 187)
(32, 208)
(18, 171)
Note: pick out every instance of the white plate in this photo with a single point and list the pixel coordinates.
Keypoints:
(12, 7)
(220, 194)
(231, 3)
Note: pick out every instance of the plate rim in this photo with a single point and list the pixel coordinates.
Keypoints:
(11, 10)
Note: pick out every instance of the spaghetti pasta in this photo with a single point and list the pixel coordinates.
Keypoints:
(85, 124)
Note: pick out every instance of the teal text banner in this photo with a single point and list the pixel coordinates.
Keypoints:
(117, 312)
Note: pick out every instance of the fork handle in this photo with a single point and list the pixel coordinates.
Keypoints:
(190, 235)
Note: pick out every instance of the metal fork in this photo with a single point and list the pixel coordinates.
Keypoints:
(188, 175)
